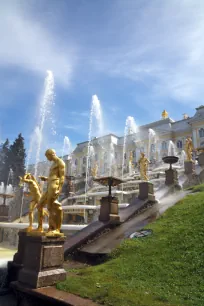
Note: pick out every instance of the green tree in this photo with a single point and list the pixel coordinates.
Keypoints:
(5, 162)
(17, 159)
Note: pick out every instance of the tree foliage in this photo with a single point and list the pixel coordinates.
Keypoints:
(17, 159)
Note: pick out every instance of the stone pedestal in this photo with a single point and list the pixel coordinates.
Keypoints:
(171, 177)
(114, 210)
(42, 261)
(201, 159)
(146, 191)
(109, 209)
(189, 167)
(4, 213)
(105, 209)
(16, 265)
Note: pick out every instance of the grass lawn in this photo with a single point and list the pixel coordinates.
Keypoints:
(166, 268)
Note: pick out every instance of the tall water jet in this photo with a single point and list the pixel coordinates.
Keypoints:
(111, 158)
(182, 158)
(96, 113)
(151, 141)
(171, 149)
(66, 146)
(45, 110)
(130, 128)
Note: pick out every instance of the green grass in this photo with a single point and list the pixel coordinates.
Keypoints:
(166, 268)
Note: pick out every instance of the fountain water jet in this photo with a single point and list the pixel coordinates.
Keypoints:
(152, 140)
(171, 149)
(130, 128)
(96, 113)
(46, 103)
(66, 146)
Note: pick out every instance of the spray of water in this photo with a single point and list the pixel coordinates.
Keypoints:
(96, 113)
(45, 112)
(152, 140)
(66, 150)
(171, 149)
(130, 128)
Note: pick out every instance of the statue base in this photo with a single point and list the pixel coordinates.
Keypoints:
(42, 262)
(109, 209)
(171, 177)
(201, 159)
(189, 167)
(146, 191)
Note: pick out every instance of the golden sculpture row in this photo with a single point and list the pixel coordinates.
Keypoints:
(48, 199)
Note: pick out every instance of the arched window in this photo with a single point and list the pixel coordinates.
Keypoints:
(201, 133)
(84, 160)
(76, 162)
(152, 148)
(164, 145)
(179, 144)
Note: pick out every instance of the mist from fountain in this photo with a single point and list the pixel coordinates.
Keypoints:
(171, 149)
(95, 113)
(45, 113)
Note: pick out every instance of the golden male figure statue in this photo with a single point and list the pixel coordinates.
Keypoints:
(143, 164)
(189, 149)
(35, 193)
(55, 181)
(94, 171)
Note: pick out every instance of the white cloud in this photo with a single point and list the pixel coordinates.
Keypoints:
(161, 45)
(72, 127)
(28, 44)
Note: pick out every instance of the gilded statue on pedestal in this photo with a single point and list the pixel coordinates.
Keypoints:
(189, 149)
(143, 164)
(94, 171)
(55, 181)
(34, 190)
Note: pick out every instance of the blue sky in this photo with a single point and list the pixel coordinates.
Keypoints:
(138, 56)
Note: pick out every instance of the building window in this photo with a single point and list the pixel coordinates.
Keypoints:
(179, 144)
(105, 155)
(142, 149)
(133, 154)
(76, 162)
(125, 155)
(202, 144)
(164, 145)
(96, 157)
(201, 133)
(116, 155)
(105, 167)
(152, 148)
(84, 160)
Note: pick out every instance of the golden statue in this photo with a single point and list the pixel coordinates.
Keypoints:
(55, 181)
(165, 114)
(131, 158)
(189, 148)
(143, 164)
(94, 171)
(35, 192)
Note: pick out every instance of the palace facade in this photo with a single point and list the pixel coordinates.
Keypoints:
(107, 152)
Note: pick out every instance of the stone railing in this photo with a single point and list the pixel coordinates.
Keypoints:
(9, 231)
